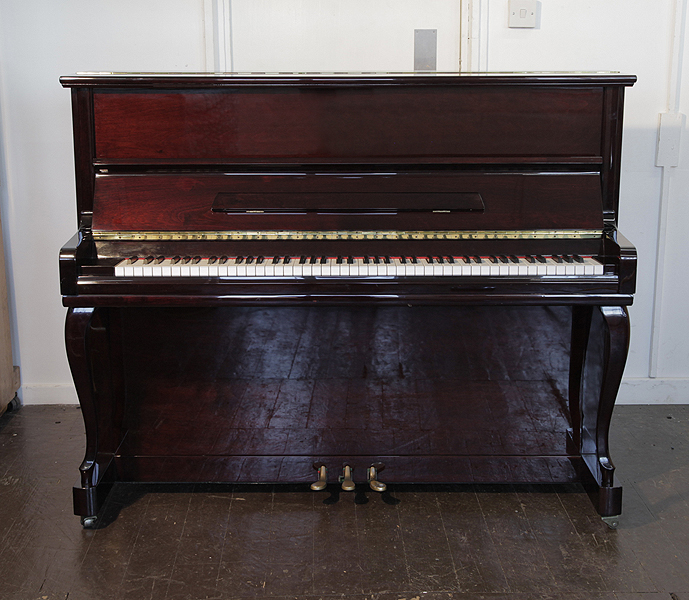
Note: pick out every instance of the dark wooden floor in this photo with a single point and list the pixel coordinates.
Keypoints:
(427, 543)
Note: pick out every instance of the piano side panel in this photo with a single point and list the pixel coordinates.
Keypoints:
(511, 201)
(374, 123)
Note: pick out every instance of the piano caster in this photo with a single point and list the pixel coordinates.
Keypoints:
(612, 522)
(373, 470)
(89, 522)
(321, 483)
(348, 484)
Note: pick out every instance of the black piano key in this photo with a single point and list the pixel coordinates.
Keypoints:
(212, 260)
(133, 260)
(186, 260)
(159, 260)
(148, 260)
(324, 260)
(196, 260)
(503, 258)
(276, 260)
(531, 259)
(440, 260)
(250, 260)
(513, 258)
(376, 260)
(577, 258)
(350, 260)
(260, 260)
(302, 260)
(477, 259)
(338, 260)
(403, 260)
(429, 260)
(450, 259)
(286, 260)
(557, 258)
(387, 260)
(567, 258)
(223, 259)
(367, 260)
(493, 259)
(413, 260)
(239, 260)
(466, 259)
(313, 260)
(540, 259)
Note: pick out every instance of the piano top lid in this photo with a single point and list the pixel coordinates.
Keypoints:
(338, 79)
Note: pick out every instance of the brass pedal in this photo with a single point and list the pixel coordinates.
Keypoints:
(322, 481)
(373, 482)
(348, 484)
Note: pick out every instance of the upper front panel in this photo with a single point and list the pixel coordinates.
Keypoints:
(349, 124)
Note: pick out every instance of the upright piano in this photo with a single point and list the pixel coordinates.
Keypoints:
(347, 279)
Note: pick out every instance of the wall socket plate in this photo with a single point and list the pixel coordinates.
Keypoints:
(522, 13)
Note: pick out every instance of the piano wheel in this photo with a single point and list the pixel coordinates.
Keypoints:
(15, 404)
(89, 522)
(612, 522)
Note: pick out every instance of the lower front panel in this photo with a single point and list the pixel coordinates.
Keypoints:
(436, 394)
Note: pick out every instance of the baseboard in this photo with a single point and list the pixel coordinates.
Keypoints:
(637, 390)
(644, 390)
(48, 394)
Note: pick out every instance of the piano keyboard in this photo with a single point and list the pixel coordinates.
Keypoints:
(359, 266)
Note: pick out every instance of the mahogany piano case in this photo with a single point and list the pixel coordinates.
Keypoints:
(352, 279)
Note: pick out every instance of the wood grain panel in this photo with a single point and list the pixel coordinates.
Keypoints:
(367, 123)
(184, 202)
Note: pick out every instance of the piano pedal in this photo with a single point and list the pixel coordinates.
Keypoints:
(322, 481)
(373, 482)
(348, 484)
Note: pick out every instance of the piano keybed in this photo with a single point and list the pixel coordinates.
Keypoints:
(289, 266)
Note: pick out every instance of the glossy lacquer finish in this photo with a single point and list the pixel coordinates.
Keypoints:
(207, 379)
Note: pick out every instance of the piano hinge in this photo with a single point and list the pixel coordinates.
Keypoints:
(343, 235)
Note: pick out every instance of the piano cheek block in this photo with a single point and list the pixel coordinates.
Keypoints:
(285, 259)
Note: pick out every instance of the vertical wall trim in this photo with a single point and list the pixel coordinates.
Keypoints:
(673, 102)
(473, 51)
(466, 35)
(217, 16)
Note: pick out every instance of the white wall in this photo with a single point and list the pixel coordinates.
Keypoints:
(43, 39)
(39, 41)
(631, 36)
(345, 35)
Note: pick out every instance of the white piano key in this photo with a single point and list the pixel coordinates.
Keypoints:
(437, 269)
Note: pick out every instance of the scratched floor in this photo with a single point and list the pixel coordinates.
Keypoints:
(431, 543)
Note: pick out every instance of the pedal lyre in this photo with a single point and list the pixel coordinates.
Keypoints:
(322, 481)
(347, 482)
(373, 470)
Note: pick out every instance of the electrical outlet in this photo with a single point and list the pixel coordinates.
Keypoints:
(522, 13)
